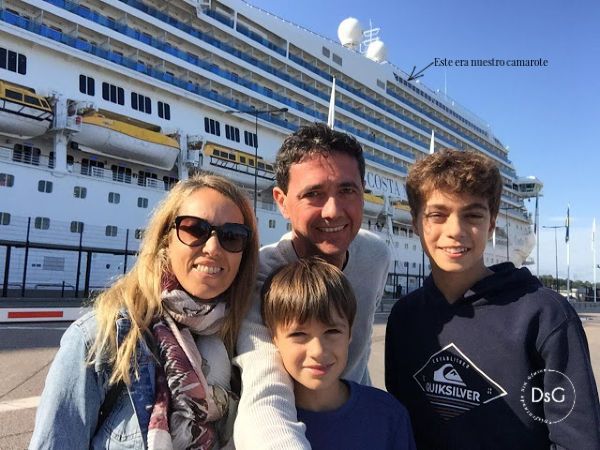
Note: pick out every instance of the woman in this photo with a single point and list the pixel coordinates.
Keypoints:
(150, 367)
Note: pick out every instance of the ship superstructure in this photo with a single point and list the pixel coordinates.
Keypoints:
(106, 104)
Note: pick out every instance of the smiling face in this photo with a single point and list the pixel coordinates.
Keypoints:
(207, 270)
(314, 354)
(324, 203)
(454, 229)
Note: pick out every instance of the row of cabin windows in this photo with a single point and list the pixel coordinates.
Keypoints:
(13, 61)
(116, 94)
(43, 223)
(46, 186)
(232, 133)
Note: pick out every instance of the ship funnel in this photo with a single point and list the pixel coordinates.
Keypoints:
(350, 33)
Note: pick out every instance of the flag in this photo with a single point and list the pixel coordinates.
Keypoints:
(431, 143)
(494, 238)
(331, 115)
(567, 224)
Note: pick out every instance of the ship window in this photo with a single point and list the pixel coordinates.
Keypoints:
(113, 94)
(142, 202)
(32, 100)
(41, 223)
(114, 197)
(12, 61)
(111, 231)
(250, 139)
(6, 179)
(337, 59)
(164, 110)
(45, 186)
(79, 192)
(288, 226)
(139, 233)
(232, 133)
(243, 159)
(14, 95)
(232, 156)
(269, 168)
(92, 167)
(26, 154)
(271, 223)
(169, 182)
(76, 227)
(121, 174)
(4, 218)
(261, 165)
(141, 103)
(212, 126)
(87, 85)
(326, 52)
(146, 179)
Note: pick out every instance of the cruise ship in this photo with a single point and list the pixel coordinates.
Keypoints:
(105, 104)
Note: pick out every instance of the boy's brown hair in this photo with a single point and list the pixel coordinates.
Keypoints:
(309, 288)
(456, 172)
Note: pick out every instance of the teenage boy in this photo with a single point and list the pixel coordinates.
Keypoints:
(483, 357)
(309, 307)
(320, 186)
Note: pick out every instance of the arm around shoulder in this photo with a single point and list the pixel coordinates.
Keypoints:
(266, 417)
(68, 410)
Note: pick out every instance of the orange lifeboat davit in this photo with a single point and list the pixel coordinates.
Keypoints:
(100, 134)
(23, 113)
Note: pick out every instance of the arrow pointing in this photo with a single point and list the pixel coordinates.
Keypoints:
(419, 74)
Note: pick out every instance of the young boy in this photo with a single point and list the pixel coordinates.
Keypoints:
(483, 357)
(309, 307)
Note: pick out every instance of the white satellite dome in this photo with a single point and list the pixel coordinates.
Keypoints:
(377, 51)
(350, 32)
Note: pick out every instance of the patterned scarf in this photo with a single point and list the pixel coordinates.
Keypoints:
(187, 410)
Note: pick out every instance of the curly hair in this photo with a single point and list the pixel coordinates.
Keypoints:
(316, 138)
(457, 172)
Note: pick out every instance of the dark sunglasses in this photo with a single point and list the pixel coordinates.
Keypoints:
(194, 231)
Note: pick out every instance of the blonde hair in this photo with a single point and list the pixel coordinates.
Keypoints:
(309, 288)
(138, 292)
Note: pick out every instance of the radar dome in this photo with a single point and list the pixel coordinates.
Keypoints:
(377, 51)
(350, 32)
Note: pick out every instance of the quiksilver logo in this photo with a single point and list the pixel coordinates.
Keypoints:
(453, 384)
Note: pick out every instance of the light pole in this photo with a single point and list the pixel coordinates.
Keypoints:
(505, 209)
(555, 227)
(256, 112)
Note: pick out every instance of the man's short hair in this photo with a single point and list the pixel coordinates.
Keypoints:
(317, 138)
(309, 288)
(454, 172)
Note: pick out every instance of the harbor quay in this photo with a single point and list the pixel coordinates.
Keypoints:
(27, 350)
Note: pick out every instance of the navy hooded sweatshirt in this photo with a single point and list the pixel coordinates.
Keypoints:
(505, 366)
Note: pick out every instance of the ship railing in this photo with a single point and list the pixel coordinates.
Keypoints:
(56, 234)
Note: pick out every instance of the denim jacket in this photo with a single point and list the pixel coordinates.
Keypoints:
(67, 416)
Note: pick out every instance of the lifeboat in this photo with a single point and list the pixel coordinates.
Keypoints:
(103, 135)
(239, 166)
(23, 113)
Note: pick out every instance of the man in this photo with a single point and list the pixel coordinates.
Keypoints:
(320, 186)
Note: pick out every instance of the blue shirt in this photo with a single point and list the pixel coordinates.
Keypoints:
(371, 418)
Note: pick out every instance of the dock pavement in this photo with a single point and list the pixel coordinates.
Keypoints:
(26, 351)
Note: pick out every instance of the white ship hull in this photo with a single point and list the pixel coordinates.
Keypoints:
(213, 61)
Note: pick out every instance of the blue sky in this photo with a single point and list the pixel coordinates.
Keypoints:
(548, 117)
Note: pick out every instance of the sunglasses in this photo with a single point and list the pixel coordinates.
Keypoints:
(194, 231)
